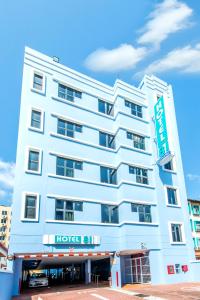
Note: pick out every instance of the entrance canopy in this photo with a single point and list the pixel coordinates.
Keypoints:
(134, 252)
(73, 255)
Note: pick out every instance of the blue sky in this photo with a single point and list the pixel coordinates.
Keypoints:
(105, 39)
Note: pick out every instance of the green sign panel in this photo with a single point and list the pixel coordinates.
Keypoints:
(161, 128)
(74, 239)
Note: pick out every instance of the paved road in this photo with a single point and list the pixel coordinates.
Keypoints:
(183, 291)
(81, 294)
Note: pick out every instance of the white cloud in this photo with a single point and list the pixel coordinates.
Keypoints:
(193, 177)
(168, 17)
(6, 174)
(185, 60)
(121, 58)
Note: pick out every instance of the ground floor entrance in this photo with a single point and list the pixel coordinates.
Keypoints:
(64, 270)
(137, 268)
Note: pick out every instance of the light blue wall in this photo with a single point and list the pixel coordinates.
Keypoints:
(6, 281)
(26, 237)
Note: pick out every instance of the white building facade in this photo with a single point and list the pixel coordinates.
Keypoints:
(99, 179)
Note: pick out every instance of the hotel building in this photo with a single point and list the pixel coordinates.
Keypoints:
(99, 188)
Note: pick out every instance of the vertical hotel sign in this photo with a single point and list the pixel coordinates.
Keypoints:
(161, 132)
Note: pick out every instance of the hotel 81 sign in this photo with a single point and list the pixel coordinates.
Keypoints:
(161, 131)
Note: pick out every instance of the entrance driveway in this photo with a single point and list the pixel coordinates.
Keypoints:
(75, 293)
(187, 291)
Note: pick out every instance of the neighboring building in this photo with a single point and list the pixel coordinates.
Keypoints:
(194, 211)
(95, 192)
(5, 222)
(3, 256)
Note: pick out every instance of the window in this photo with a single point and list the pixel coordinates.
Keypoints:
(172, 196)
(138, 141)
(68, 93)
(197, 226)
(4, 212)
(144, 212)
(141, 175)
(176, 231)
(33, 161)
(108, 175)
(36, 119)
(68, 128)
(38, 82)
(65, 209)
(169, 166)
(30, 211)
(109, 214)
(136, 110)
(195, 209)
(106, 140)
(65, 167)
(105, 107)
(178, 268)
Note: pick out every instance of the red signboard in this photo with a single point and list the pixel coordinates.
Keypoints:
(185, 268)
(170, 269)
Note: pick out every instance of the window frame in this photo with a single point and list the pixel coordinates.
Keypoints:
(136, 135)
(144, 206)
(41, 129)
(183, 242)
(141, 176)
(166, 187)
(107, 137)
(108, 175)
(110, 209)
(108, 112)
(173, 165)
(67, 88)
(74, 128)
(29, 149)
(65, 209)
(23, 208)
(130, 105)
(39, 73)
(69, 168)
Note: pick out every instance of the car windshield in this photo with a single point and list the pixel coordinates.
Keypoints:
(38, 275)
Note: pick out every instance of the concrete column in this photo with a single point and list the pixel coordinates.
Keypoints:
(17, 278)
(88, 271)
(115, 266)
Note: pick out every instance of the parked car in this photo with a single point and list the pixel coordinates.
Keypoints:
(38, 279)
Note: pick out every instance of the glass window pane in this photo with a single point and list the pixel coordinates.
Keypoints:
(113, 176)
(78, 165)
(78, 94)
(59, 204)
(104, 213)
(37, 82)
(102, 139)
(36, 119)
(134, 207)
(78, 128)
(69, 163)
(78, 206)
(69, 216)
(104, 174)
(33, 162)
(114, 215)
(129, 135)
(59, 215)
(69, 205)
(101, 106)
